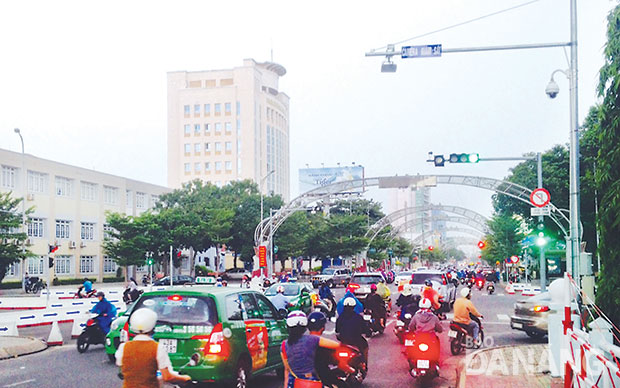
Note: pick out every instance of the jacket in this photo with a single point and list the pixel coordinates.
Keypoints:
(351, 327)
(462, 308)
(104, 307)
(359, 307)
(425, 321)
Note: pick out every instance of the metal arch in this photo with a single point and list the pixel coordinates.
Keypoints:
(470, 232)
(265, 228)
(461, 240)
(481, 228)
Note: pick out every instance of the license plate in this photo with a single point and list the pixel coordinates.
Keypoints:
(452, 334)
(408, 342)
(423, 364)
(517, 325)
(169, 344)
(367, 317)
(124, 336)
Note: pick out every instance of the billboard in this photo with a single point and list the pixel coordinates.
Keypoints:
(312, 178)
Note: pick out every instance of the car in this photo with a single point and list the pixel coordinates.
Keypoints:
(531, 315)
(403, 277)
(176, 280)
(361, 281)
(333, 277)
(232, 333)
(446, 289)
(236, 274)
(299, 295)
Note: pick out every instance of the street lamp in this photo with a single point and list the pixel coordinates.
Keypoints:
(262, 226)
(24, 189)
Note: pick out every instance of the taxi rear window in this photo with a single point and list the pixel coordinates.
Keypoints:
(180, 309)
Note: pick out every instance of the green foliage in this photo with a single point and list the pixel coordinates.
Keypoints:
(435, 255)
(504, 239)
(10, 285)
(201, 270)
(114, 279)
(61, 282)
(11, 236)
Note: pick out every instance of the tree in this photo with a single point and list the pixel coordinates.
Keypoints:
(608, 172)
(292, 236)
(504, 238)
(12, 238)
(129, 239)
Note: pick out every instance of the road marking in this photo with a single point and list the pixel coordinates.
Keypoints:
(503, 317)
(390, 322)
(500, 294)
(496, 323)
(19, 383)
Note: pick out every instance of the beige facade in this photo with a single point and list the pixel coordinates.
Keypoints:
(69, 210)
(227, 125)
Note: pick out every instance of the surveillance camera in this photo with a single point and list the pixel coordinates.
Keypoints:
(552, 89)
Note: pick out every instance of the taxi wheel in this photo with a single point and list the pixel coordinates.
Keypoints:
(241, 374)
(112, 358)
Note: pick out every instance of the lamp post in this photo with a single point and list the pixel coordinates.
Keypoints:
(24, 190)
(262, 226)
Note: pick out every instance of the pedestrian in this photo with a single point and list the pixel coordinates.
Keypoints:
(141, 358)
(25, 281)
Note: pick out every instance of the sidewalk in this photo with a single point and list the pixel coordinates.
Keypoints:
(19, 346)
(70, 287)
(525, 366)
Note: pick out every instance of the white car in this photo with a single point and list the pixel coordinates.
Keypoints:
(446, 289)
(404, 277)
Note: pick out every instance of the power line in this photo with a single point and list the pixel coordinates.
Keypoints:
(462, 23)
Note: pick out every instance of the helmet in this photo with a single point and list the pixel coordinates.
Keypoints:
(316, 321)
(100, 294)
(465, 292)
(296, 318)
(428, 282)
(407, 290)
(349, 302)
(373, 287)
(143, 320)
(425, 303)
(280, 289)
(219, 279)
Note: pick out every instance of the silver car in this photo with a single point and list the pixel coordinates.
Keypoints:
(532, 315)
(445, 288)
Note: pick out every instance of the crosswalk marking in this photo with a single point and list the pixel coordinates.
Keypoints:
(503, 317)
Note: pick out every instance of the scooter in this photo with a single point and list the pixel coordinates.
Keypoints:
(326, 306)
(34, 284)
(347, 367)
(480, 284)
(79, 294)
(461, 339)
(91, 335)
(491, 288)
(422, 351)
(130, 297)
(376, 325)
(400, 327)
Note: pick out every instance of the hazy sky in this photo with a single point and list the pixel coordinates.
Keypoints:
(86, 81)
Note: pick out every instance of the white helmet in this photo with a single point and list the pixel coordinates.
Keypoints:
(143, 321)
(465, 292)
(296, 318)
(349, 302)
(407, 290)
(425, 303)
(280, 289)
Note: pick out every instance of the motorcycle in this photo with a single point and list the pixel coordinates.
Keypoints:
(131, 296)
(469, 282)
(34, 284)
(347, 367)
(491, 288)
(326, 306)
(461, 339)
(422, 352)
(479, 284)
(377, 326)
(91, 335)
(79, 294)
(401, 326)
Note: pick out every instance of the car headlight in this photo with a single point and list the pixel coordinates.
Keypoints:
(108, 342)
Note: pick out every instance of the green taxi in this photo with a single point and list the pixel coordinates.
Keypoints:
(212, 334)
(299, 295)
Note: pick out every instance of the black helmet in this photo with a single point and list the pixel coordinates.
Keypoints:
(100, 294)
(428, 282)
(316, 321)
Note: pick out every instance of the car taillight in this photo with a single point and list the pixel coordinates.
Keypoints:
(423, 347)
(444, 281)
(215, 344)
(540, 309)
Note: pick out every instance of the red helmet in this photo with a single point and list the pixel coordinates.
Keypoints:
(373, 287)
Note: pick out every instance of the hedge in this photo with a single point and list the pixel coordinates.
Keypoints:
(10, 285)
(114, 280)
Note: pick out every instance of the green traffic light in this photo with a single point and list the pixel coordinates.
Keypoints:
(474, 158)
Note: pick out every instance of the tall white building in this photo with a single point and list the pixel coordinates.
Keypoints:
(226, 125)
(69, 205)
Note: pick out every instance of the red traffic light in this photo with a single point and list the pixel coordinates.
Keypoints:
(482, 244)
(430, 248)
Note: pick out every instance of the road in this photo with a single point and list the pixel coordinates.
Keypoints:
(64, 367)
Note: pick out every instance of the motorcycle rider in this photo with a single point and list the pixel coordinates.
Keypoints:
(407, 302)
(106, 312)
(85, 289)
(351, 327)
(431, 294)
(463, 307)
(131, 293)
(424, 320)
(375, 303)
(359, 307)
(141, 358)
(316, 326)
(279, 300)
(326, 293)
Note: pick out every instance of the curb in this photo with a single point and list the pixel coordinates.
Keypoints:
(32, 346)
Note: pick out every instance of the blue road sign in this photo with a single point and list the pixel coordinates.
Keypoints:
(428, 50)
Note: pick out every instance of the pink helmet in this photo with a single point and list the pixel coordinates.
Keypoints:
(373, 287)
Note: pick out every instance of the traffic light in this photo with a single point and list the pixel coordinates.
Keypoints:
(439, 160)
(430, 247)
(482, 244)
(464, 158)
(149, 261)
(51, 261)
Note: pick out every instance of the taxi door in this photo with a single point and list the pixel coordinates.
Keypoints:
(255, 331)
(275, 331)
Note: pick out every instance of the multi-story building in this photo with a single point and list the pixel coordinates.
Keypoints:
(226, 125)
(69, 205)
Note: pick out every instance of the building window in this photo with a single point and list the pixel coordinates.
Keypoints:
(218, 109)
(197, 109)
(218, 128)
(109, 265)
(238, 127)
(34, 265)
(187, 167)
(87, 264)
(188, 148)
(186, 109)
(238, 166)
(228, 166)
(218, 146)
(238, 110)
(110, 195)
(35, 227)
(228, 146)
(188, 129)
(107, 231)
(218, 166)
(238, 146)
(228, 108)
(64, 186)
(63, 229)
(154, 200)
(207, 166)
(207, 129)
(11, 270)
(196, 129)
(88, 191)
(8, 176)
(36, 182)
(87, 231)
(197, 148)
(228, 127)
(207, 147)
(63, 265)
(141, 201)
(197, 166)
(129, 199)
(207, 109)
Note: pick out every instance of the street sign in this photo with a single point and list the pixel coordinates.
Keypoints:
(262, 256)
(514, 259)
(540, 197)
(275, 249)
(424, 51)
(540, 211)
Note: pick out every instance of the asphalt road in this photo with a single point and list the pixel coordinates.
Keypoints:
(64, 367)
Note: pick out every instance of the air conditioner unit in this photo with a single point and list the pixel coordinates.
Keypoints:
(72, 244)
(82, 244)
(30, 197)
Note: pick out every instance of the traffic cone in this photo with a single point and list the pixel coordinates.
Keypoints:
(55, 337)
(78, 327)
(510, 289)
(8, 329)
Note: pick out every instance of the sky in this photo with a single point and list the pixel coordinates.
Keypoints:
(86, 82)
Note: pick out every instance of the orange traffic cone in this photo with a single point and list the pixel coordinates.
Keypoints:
(55, 337)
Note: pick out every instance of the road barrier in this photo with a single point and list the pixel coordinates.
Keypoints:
(530, 291)
(510, 289)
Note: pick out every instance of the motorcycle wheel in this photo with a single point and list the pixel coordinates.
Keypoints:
(455, 346)
(481, 337)
(82, 343)
(112, 358)
(356, 379)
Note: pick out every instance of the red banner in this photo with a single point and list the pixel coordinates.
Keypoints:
(262, 256)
